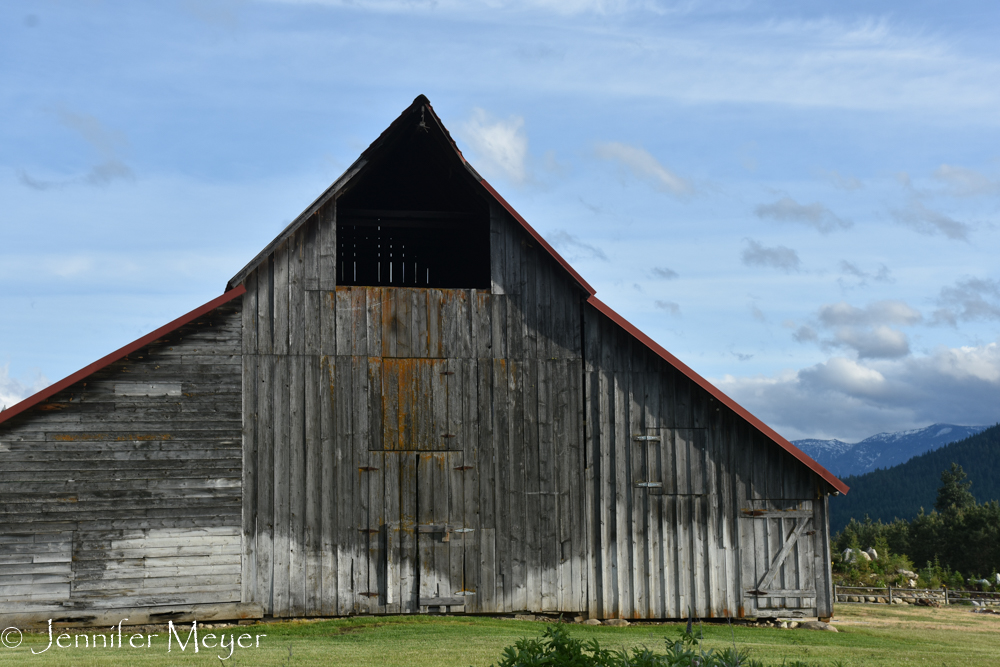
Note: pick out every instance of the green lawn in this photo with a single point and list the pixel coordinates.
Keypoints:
(868, 636)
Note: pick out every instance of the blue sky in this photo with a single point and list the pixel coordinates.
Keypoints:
(800, 200)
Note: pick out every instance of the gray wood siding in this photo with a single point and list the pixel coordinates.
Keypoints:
(514, 449)
(375, 415)
(675, 479)
(124, 490)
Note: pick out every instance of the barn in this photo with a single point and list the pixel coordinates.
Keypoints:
(407, 403)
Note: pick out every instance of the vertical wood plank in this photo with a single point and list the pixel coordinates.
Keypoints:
(311, 253)
(313, 518)
(280, 296)
(265, 306)
(249, 536)
(347, 536)
(297, 486)
(359, 321)
(327, 241)
(409, 560)
(266, 396)
(329, 488)
(282, 499)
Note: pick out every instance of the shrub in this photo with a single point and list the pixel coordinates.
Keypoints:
(556, 648)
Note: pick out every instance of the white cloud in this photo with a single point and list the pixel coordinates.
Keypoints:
(963, 182)
(921, 219)
(778, 257)
(500, 145)
(107, 142)
(851, 399)
(968, 300)
(815, 215)
(668, 306)
(644, 166)
(879, 312)
(852, 270)
(664, 273)
(14, 391)
(865, 330)
(563, 239)
(879, 342)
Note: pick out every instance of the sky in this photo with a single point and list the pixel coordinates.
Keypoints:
(799, 200)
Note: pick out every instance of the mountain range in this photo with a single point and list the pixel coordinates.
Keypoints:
(882, 450)
(902, 490)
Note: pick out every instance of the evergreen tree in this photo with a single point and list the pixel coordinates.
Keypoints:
(954, 491)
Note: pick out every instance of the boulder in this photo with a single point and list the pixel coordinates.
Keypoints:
(616, 622)
(524, 617)
(907, 573)
(793, 624)
(871, 553)
(848, 555)
(592, 621)
(817, 625)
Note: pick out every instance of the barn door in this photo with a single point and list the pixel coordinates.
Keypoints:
(778, 544)
(441, 533)
(422, 432)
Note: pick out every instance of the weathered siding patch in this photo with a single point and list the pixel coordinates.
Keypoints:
(129, 495)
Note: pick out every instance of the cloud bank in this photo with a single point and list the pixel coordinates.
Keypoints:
(852, 399)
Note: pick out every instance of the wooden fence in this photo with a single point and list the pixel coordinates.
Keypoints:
(891, 595)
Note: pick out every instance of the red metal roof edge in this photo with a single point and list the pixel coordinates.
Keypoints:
(538, 237)
(103, 362)
(503, 202)
(804, 458)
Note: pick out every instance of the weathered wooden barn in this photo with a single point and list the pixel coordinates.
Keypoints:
(407, 402)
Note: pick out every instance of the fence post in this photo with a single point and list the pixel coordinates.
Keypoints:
(890, 594)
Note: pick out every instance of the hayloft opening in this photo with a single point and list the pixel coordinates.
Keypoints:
(414, 218)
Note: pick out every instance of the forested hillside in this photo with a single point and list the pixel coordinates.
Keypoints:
(902, 490)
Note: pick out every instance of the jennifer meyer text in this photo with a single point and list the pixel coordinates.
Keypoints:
(225, 644)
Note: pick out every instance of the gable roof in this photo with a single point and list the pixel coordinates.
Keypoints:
(422, 106)
(120, 353)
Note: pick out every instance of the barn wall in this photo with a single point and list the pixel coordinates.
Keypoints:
(123, 491)
(337, 491)
(690, 504)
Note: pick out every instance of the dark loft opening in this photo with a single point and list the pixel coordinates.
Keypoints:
(414, 218)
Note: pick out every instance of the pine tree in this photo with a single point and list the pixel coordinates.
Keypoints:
(954, 491)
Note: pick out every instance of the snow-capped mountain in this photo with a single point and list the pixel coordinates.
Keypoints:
(884, 449)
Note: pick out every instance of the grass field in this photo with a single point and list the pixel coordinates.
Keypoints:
(869, 636)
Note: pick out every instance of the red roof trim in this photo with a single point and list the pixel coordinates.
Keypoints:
(717, 393)
(538, 237)
(103, 362)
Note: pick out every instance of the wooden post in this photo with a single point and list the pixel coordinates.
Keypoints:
(890, 593)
